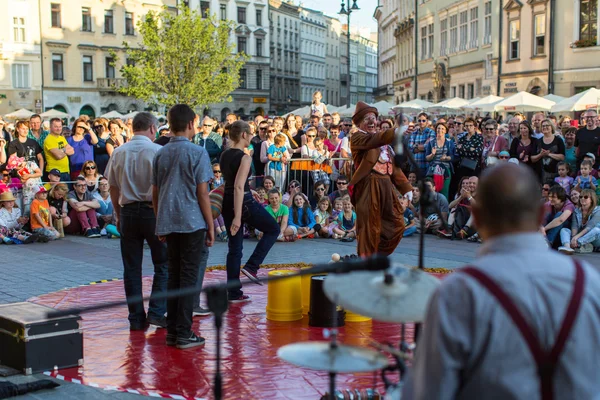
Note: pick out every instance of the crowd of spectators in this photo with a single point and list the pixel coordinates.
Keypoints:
(53, 179)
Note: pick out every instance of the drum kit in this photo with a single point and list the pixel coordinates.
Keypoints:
(399, 295)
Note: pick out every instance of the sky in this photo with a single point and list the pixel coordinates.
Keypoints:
(363, 17)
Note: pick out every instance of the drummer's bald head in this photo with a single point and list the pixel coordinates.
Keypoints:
(508, 201)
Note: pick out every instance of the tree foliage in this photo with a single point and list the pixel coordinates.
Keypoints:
(183, 58)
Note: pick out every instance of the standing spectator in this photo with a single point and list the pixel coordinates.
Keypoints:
(278, 160)
(181, 171)
(25, 147)
(493, 144)
(257, 143)
(559, 210)
(309, 150)
(418, 140)
(266, 144)
(129, 174)
(36, 132)
(570, 149)
(526, 147)
(211, 141)
(83, 141)
(82, 212)
(440, 153)
(564, 124)
(587, 139)
(100, 151)
(294, 138)
(116, 138)
(469, 148)
(513, 131)
(241, 205)
(335, 118)
(552, 150)
(57, 150)
(536, 124)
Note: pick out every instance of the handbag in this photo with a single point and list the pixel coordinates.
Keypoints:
(468, 163)
(216, 200)
(491, 160)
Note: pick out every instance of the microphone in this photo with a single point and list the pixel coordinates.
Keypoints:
(377, 262)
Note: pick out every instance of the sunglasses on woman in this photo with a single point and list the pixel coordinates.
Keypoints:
(216, 171)
(586, 197)
(90, 167)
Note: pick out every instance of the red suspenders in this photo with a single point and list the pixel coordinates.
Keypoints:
(546, 360)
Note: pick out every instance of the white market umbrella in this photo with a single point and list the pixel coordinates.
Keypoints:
(112, 115)
(301, 111)
(412, 106)
(348, 112)
(486, 104)
(19, 114)
(524, 102)
(383, 107)
(54, 114)
(453, 104)
(131, 115)
(554, 98)
(589, 99)
(331, 108)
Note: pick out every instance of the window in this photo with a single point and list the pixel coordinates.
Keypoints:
(130, 62)
(461, 91)
(539, 26)
(259, 47)
(453, 91)
(259, 78)
(108, 22)
(57, 67)
(55, 12)
(588, 20)
(470, 91)
(88, 69)
(109, 67)
(513, 39)
(241, 15)
(204, 8)
(453, 34)
(86, 19)
(487, 30)
(19, 29)
(430, 31)
(463, 30)
(473, 42)
(259, 17)
(243, 78)
(444, 37)
(223, 12)
(20, 76)
(424, 43)
(129, 28)
(241, 45)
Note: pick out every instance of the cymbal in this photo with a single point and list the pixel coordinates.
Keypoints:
(341, 359)
(401, 297)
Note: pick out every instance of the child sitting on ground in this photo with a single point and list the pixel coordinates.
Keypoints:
(346, 230)
(410, 226)
(11, 222)
(41, 220)
(322, 215)
(302, 217)
(338, 208)
(280, 212)
(215, 182)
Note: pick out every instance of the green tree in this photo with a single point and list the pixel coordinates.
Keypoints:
(182, 58)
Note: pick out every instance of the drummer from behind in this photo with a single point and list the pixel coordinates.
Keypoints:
(473, 345)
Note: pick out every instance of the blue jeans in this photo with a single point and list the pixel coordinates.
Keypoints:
(106, 207)
(593, 237)
(137, 224)
(185, 251)
(256, 216)
(410, 231)
(553, 234)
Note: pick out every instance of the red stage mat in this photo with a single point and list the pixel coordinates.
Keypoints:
(140, 361)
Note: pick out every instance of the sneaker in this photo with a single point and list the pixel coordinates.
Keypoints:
(566, 250)
(171, 339)
(585, 248)
(444, 233)
(192, 341)
(32, 239)
(252, 276)
(103, 232)
(242, 299)
(157, 322)
(96, 233)
(201, 312)
(89, 233)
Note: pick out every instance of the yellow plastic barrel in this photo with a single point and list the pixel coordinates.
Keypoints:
(284, 298)
(353, 317)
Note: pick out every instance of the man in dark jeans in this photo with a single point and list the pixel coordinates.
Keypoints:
(181, 171)
(129, 173)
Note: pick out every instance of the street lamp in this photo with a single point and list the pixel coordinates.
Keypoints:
(347, 12)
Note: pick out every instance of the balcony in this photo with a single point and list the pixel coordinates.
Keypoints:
(110, 84)
(344, 78)
(384, 90)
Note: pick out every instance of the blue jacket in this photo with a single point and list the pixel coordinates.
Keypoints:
(299, 224)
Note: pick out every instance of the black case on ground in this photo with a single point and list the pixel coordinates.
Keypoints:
(31, 342)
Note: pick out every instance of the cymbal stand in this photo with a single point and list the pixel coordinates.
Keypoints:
(217, 302)
(333, 345)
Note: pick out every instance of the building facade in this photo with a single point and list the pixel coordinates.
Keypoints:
(284, 23)
(78, 74)
(387, 15)
(371, 65)
(404, 34)
(20, 50)
(313, 40)
(332, 62)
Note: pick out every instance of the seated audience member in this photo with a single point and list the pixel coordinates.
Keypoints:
(410, 224)
(219, 223)
(280, 212)
(346, 229)
(53, 179)
(592, 159)
(412, 178)
(82, 212)
(414, 204)
(564, 179)
(342, 188)
(293, 188)
(11, 222)
(559, 210)
(319, 190)
(57, 198)
(105, 212)
(30, 179)
(89, 171)
(338, 208)
(41, 220)
(262, 193)
(269, 183)
(584, 234)
(433, 220)
(302, 217)
(460, 212)
(323, 216)
(585, 180)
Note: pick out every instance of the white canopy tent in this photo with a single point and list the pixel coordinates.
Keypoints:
(413, 106)
(348, 112)
(384, 108)
(485, 104)
(19, 114)
(554, 98)
(589, 99)
(130, 115)
(448, 105)
(112, 115)
(524, 102)
(54, 114)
